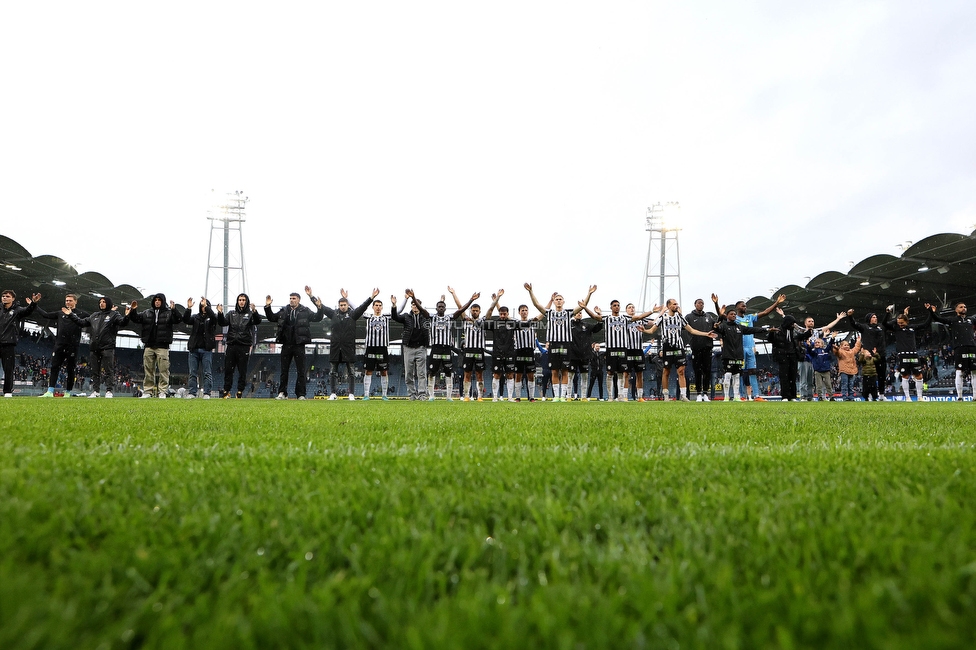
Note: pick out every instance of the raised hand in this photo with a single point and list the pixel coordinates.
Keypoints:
(172, 304)
(220, 309)
(592, 289)
(714, 297)
(409, 293)
(308, 291)
(267, 301)
(344, 293)
(133, 305)
(393, 300)
(501, 292)
(376, 291)
(203, 302)
(65, 310)
(189, 303)
(528, 286)
(781, 299)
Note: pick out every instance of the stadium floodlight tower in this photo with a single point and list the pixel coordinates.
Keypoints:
(663, 267)
(226, 219)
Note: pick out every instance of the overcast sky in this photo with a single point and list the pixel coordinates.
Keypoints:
(396, 144)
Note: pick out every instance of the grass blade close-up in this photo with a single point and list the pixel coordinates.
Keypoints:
(257, 524)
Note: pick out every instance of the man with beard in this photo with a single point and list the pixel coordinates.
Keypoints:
(66, 343)
(559, 331)
(342, 349)
(416, 338)
(672, 323)
(294, 333)
(963, 343)
(157, 335)
(105, 325)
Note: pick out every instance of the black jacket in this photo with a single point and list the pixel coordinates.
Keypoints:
(105, 325)
(241, 324)
(203, 329)
(787, 342)
(69, 332)
(731, 335)
(703, 322)
(582, 345)
(293, 324)
(872, 336)
(905, 341)
(9, 327)
(157, 324)
(344, 329)
(413, 337)
(961, 328)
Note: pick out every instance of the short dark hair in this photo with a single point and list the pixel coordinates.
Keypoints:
(503, 309)
(475, 305)
(72, 295)
(520, 307)
(9, 292)
(297, 295)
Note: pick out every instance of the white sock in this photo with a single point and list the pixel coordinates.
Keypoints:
(906, 389)
(621, 388)
(481, 389)
(518, 389)
(367, 381)
(450, 387)
(918, 389)
(566, 391)
(959, 384)
(510, 388)
(737, 388)
(557, 390)
(430, 387)
(494, 387)
(532, 387)
(726, 385)
(466, 389)
(384, 384)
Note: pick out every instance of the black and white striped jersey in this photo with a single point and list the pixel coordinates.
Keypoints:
(670, 328)
(635, 337)
(525, 336)
(616, 331)
(378, 331)
(441, 330)
(474, 334)
(559, 326)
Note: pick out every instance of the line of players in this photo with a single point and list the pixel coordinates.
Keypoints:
(514, 342)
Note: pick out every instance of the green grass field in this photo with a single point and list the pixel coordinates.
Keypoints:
(260, 524)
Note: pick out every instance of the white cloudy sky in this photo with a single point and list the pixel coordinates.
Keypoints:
(485, 144)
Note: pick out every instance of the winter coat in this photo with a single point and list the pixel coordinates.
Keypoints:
(9, 326)
(294, 324)
(157, 324)
(203, 329)
(105, 325)
(241, 324)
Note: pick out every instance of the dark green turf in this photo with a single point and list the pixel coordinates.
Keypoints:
(259, 524)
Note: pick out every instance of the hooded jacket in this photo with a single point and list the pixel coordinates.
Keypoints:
(241, 323)
(873, 336)
(157, 324)
(105, 325)
(819, 357)
(787, 341)
(203, 328)
(9, 328)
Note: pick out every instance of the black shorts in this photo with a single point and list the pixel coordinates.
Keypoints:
(474, 360)
(377, 358)
(579, 365)
(558, 356)
(439, 361)
(635, 360)
(732, 365)
(673, 357)
(965, 358)
(909, 363)
(525, 361)
(616, 361)
(503, 365)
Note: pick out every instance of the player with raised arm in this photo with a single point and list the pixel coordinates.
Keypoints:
(906, 348)
(963, 343)
(559, 337)
(342, 347)
(441, 343)
(473, 344)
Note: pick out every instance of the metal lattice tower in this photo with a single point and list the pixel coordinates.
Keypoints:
(663, 268)
(226, 218)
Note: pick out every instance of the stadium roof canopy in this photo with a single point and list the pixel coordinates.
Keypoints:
(940, 270)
